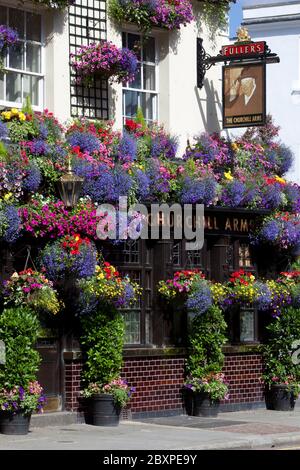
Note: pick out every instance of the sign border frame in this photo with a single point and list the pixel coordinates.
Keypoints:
(264, 113)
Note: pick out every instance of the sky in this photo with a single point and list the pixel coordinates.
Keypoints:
(235, 17)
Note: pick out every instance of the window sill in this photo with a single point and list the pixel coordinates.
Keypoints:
(133, 28)
(148, 351)
(242, 348)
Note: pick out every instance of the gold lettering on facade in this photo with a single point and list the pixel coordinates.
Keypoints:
(235, 225)
(228, 224)
(244, 225)
(209, 226)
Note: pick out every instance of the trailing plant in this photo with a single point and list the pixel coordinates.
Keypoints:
(214, 13)
(59, 4)
(169, 14)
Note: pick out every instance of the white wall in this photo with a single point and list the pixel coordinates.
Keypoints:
(57, 84)
(55, 57)
(283, 79)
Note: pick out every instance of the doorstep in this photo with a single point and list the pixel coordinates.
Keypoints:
(58, 418)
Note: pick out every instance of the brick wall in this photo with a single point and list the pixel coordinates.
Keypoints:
(72, 384)
(158, 381)
(243, 372)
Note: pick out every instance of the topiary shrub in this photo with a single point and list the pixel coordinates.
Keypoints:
(102, 340)
(206, 339)
(19, 328)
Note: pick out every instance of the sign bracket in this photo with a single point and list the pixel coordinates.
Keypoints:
(205, 61)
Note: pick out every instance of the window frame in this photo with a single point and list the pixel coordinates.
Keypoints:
(143, 90)
(40, 75)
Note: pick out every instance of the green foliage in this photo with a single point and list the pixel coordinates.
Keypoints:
(206, 338)
(3, 150)
(215, 16)
(139, 16)
(59, 4)
(277, 352)
(21, 130)
(19, 328)
(140, 119)
(27, 107)
(103, 340)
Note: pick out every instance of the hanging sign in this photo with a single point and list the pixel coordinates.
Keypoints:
(244, 49)
(244, 95)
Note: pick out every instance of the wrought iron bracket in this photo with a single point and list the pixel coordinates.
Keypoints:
(205, 61)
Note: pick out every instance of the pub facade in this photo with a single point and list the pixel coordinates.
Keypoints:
(156, 333)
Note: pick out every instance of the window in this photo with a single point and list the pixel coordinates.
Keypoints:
(24, 61)
(245, 259)
(87, 24)
(134, 258)
(142, 92)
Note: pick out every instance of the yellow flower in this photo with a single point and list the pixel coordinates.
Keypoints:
(22, 117)
(234, 146)
(7, 196)
(100, 276)
(7, 115)
(228, 175)
(280, 180)
(14, 111)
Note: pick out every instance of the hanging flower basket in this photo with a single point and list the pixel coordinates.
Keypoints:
(281, 229)
(104, 60)
(8, 38)
(146, 14)
(58, 4)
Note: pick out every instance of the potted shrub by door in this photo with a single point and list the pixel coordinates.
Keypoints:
(205, 384)
(206, 394)
(281, 370)
(20, 393)
(106, 393)
(103, 341)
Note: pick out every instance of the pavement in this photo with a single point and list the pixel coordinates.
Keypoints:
(253, 429)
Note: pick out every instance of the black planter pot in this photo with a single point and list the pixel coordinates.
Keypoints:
(279, 398)
(17, 424)
(204, 406)
(188, 400)
(102, 411)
